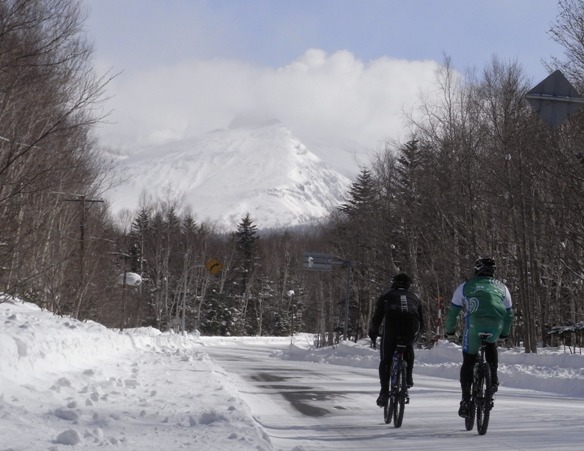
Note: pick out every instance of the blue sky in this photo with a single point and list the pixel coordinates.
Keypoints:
(274, 32)
(190, 66)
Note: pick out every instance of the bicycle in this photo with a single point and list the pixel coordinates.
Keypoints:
(482, 391)
(398, 388)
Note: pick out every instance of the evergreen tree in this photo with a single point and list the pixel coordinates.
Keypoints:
(247, 250)
(247, 270)
(363, 195)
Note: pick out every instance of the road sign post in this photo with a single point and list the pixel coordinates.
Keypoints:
(319, 261)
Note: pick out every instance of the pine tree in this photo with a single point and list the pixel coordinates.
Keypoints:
(363, 195)
(247, 247)
(247, 269)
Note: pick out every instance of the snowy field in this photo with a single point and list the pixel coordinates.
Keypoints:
(66, 384)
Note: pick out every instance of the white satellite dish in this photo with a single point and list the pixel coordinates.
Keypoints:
(131, 279)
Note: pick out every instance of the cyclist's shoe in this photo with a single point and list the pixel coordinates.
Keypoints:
(382, 399)
(495, 383)
(410, 381)
(463, 409)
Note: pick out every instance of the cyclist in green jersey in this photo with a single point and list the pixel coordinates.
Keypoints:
(488, 308)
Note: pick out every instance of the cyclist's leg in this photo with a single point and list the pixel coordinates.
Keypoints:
(492, 357)
(384, 382)
(471, 341)
(471, 344)
(409, 357)
(470, 347)
(411, 332)
(386, 354)
(466, 379)
(384, 375)
(390, 344)
(466, 370)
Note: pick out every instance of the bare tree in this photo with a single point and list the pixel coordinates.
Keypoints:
(48, 104)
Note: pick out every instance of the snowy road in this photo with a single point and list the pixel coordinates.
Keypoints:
(67, 384)
(313, 406)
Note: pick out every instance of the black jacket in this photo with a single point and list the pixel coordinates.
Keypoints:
(401, 312)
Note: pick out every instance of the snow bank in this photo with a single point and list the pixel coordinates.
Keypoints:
(81, 384)
(29, 344)
(551, 369)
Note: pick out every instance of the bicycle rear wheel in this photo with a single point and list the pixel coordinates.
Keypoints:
(388, 410)
(470, 418)
(401, 395)
(484, 398)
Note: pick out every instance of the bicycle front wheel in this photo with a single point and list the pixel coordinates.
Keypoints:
(484, 398)
(401, 394)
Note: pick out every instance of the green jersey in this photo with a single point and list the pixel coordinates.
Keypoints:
(488, 308)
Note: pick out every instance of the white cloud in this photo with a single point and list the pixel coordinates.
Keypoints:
(331, 99)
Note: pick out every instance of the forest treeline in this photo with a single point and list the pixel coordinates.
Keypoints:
(480, 174)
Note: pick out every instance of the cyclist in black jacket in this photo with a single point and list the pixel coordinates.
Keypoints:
(400, 311)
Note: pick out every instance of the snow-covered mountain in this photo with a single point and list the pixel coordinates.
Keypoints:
(256, 167)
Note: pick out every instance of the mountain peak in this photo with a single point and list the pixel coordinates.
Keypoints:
(253, 168)
(253, 120)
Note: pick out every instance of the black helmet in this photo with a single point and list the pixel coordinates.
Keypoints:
(485, 266)
(401, 280)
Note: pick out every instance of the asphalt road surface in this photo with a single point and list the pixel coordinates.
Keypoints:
(311, 406)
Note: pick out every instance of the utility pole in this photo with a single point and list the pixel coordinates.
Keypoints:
(349, 266)
(82, 199)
